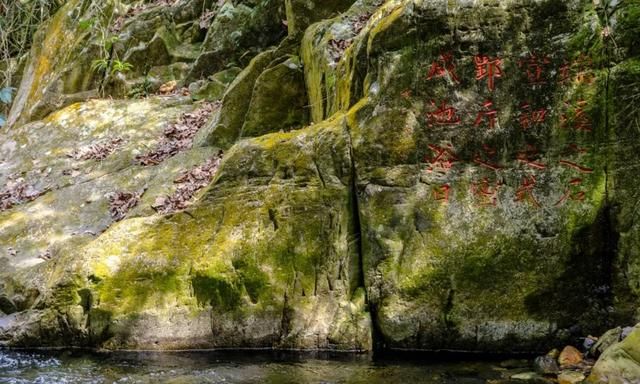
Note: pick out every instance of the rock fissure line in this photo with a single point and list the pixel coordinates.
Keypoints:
(377, 339)
(357, 226)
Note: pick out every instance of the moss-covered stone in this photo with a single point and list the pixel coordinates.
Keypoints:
(57, 73)
(76, 190)
(619, 363)
(445, 266)
(213, 88)
(224, 130)
(246, 100)
(279, 100)
(255, 278)
(238, 32)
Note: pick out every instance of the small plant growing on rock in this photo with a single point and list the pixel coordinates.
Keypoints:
(117, 66)
(121, 67)
(100, 65)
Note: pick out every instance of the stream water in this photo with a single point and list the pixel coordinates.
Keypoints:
(245, 368)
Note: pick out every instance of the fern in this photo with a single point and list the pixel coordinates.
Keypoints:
(100, 65)
(121, 66)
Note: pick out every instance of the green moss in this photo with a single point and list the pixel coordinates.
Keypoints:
(254, 280)
(99, 322)
(131, 290)
(278, 101)
(221, 294)
(235, 103)
(628, 27)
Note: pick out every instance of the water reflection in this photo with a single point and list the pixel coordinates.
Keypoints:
(238, 368)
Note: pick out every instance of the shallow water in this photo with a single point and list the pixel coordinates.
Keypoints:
(237, 368)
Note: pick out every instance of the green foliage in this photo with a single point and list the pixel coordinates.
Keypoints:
(628, 28)
(19, 20)
(102, 65)
(86, 24)
(121, 66)
(110, 41)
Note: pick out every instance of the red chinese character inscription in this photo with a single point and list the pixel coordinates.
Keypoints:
(486, 193)
(580, 119)
(525, 191)
(442, 67)
(441, 193)
(488, 68)
(443, 115)
(529, 118)
(528, 157)
(442, 160)
(534, 67)
(487, 113)
(572, 193)
(486, 161)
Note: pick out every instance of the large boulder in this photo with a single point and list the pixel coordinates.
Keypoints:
(255, 278)
(620, 363)
(485, 195)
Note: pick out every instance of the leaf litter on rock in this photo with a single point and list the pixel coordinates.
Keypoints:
(18, 192)
(120, 203)
(97, 151)
(178, 136)
(190, 182)
(339, 46)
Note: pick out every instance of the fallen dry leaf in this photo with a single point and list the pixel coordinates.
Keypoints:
(168, 87)
(121, 202)
(190, 183)
(97, 151)
(17, 192)
(178, 136)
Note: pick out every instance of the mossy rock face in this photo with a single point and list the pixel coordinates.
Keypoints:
(279, 100)
(161, 43)
(467, 182)
(75, 190)
(254, 278)
(477, 216)
(224, 129)
(214, 87)
(57, 73)
(255, 101)
(624, 120)
(238, 32)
